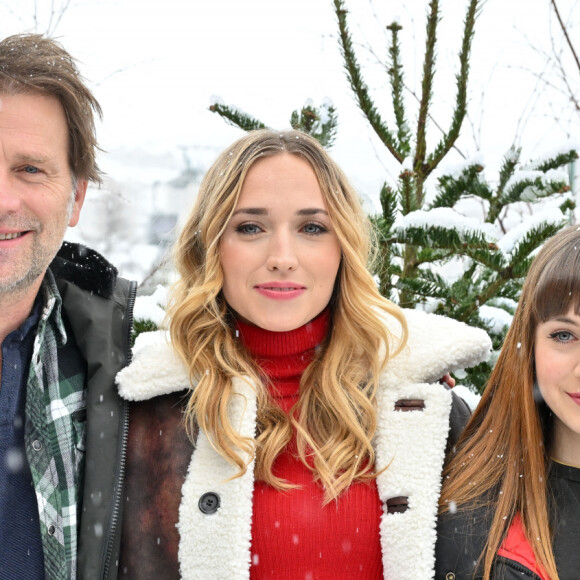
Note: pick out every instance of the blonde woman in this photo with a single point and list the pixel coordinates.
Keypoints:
(293, 427)
(511, 494)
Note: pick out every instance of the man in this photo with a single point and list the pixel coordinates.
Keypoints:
(65, 323)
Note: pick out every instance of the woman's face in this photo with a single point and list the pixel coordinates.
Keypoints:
(557, 355)
(279, 253)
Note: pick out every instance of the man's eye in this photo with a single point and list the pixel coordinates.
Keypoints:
(31, 169)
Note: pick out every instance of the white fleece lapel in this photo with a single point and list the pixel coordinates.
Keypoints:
(155, 369)
(217, 546)
(412, 445)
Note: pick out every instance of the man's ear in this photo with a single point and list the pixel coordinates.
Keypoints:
(80, 194)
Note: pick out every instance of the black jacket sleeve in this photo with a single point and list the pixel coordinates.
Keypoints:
(460, 414)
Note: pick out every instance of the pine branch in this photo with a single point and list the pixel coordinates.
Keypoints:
(388, 199)
(431, 256)
(558, 161)
(531, 189)
(440, 238)
(237, 118)
(420, 287)
(506, 171)
(488, 257)
(520, 256)
(449, 139)
(359, 87)
(468, 309)
(451, 188)
(406, 192)
(517, 268)
(319, 122)
(426, 94)
(395, 72)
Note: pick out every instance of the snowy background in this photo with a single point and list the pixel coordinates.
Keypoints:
(156, 66)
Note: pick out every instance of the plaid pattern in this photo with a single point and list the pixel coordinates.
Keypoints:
(55, 435)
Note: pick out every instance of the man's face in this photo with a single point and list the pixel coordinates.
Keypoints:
(37, 201)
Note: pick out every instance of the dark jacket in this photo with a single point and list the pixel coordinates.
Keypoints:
(98, 306)
(460, 541)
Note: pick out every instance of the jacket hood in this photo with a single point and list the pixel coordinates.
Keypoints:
(85, 268)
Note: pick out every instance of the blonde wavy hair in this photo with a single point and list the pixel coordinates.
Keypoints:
(335, 417)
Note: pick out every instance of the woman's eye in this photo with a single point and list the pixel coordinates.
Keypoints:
(313, 229)
(562, 336)
(248, 229)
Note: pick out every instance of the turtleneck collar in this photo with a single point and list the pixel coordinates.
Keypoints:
(283, 356)
(266, 343)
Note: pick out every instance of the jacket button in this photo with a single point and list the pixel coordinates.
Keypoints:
(450, 576)
(37, 445)
(209, 503)
(51, 530)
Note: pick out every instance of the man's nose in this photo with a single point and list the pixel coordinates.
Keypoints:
(10, 198)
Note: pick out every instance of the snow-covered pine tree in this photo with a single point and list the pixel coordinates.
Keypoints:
(431, 255)
(423, 237)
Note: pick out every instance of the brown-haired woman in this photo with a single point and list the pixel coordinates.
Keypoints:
(312, 401)
(511, 492)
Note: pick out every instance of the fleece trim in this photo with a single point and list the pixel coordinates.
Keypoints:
(156, 369)
(224, 536)
(410, 443)
(436, 345)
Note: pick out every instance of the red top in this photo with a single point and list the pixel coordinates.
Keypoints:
(293, 535)
(516, 547)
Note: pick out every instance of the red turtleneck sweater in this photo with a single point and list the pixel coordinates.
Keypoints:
(293, 535)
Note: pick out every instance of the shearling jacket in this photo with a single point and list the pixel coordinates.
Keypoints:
(215, 509)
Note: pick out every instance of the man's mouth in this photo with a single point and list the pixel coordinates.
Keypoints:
(11, 236)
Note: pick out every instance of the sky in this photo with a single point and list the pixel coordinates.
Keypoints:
(155, 66)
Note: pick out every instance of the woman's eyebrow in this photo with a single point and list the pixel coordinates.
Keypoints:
(311, 211)
(251, 211)
(565, 320)
(263, 211)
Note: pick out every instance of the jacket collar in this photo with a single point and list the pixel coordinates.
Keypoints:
(85, 268)
(436, 345)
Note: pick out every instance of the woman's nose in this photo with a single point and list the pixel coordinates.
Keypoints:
(282, 252)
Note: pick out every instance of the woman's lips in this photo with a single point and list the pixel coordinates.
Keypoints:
(280, 290)
(575, 397)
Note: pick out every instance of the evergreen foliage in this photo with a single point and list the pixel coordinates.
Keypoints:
(319, 122)
(422, 235)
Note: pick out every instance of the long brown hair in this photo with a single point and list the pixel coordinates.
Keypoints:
(335, 418)
(503, 453)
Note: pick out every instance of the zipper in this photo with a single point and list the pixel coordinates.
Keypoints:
(122, 447)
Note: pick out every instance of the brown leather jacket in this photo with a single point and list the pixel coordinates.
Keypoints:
(158, 455)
